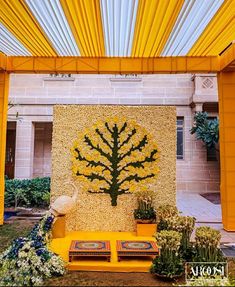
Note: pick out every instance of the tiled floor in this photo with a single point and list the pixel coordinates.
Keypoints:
(205, 212)
(195, 205)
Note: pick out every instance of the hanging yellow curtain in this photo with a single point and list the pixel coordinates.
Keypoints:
(218, 34)
(17, 18)
(84, 18)
(154, 23)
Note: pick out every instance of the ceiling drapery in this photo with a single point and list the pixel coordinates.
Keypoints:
(116, 28)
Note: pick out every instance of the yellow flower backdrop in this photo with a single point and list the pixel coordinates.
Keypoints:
(115, 156)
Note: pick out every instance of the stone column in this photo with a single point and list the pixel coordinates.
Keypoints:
(198, 107)
(24, 149)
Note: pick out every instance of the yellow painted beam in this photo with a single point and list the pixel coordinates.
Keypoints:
(112, 65)
(17, 18)
(226, 81)
(218, 34)
(227, 59)
(4, 89)
(84, 19)
(154, 23)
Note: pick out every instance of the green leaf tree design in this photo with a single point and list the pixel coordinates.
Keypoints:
(114, 157)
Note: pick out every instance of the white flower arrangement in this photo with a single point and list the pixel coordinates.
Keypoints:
(209, 282)
(28, 261)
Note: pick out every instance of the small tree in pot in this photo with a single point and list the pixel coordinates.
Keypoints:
(145, 213)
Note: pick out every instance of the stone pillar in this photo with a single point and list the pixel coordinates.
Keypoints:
(24, 149)
(197, 108)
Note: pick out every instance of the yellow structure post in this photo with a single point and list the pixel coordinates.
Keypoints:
(226, 82)
(4, 88)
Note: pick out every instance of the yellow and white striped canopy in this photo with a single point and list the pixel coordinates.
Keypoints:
(116, 28)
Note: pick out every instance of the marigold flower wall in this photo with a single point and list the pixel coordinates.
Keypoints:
(95, 210)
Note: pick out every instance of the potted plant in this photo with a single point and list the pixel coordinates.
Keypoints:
(185, 226)
(207, 241)
(207, 130)
(164, 213)
(168, 265)
(145, 214)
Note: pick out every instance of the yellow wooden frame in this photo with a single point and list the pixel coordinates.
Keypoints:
(104, 65)
(227, 59)
(4, 90)
(223, 65)
(226, 82)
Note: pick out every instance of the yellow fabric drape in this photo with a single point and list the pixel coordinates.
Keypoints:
(84, 18)
(219, 33)
(155, 20)
(17, 18)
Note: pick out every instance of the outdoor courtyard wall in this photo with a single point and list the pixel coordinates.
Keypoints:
(35, 96)
(94, 212)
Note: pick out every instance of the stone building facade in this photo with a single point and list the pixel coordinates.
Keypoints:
(29, 137)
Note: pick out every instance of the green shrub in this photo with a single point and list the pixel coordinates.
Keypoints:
(27, 192)
(46, 198)
(206, 130)
(145, 214)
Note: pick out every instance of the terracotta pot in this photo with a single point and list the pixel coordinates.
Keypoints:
(144, 221)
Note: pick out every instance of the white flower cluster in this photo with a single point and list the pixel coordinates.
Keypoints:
(209, 282)
(27, 261)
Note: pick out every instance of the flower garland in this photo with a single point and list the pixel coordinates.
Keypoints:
(28, 261)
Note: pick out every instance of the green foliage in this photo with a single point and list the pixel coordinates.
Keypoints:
(46, 198)
(169, 262)
(20, 197)
(148, 214)
(206, 130)
(27, 192)
(145, 210)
